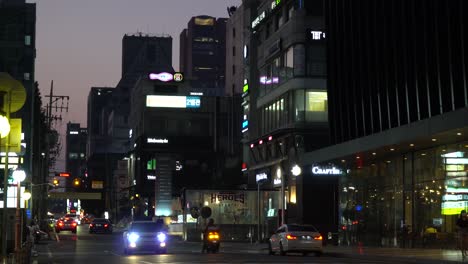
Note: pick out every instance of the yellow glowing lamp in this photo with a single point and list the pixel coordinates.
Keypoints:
(4, 126)
(76, 182)
(27, 195)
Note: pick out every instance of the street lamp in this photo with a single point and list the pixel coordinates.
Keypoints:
(18, 176)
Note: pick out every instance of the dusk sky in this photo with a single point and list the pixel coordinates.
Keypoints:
(79, 42)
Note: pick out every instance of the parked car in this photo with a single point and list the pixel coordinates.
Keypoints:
(296, 238)
(100, 225)
(145, 235)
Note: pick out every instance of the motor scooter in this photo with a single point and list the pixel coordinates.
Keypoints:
(212, 241)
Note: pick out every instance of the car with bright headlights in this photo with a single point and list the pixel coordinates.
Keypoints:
(145, 236)
(303, 239)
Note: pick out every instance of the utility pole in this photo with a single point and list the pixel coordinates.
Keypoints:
(57, 104)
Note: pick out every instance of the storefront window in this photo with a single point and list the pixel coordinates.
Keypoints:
(405, 194)
(316, 106)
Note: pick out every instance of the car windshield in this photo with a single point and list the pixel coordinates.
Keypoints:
(145, 227)
(305, 228)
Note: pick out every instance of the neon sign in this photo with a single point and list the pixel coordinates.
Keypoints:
(261, 177)
(258, 19)
(166, 76)
(329, 171)
(158, 140)
(170, 101)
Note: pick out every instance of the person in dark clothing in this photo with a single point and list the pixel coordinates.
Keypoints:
(462, 225)
(209, 225)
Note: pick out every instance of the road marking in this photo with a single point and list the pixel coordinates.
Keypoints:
(112, 253)
(146, 262)
(49, 253)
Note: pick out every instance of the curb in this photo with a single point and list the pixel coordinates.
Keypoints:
(398, 259)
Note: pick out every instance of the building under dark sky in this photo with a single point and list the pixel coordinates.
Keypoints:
(398, 112)
(394, 63)
(203, 53)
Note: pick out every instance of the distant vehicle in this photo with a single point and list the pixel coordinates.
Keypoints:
(145, 235)
(66, 224)
(100, 225)
(74, 216)
(87, 219)
(296, 238)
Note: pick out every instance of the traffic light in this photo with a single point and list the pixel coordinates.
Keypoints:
(56, 182)
(76, 182)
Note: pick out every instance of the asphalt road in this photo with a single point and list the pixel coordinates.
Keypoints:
(104, 248)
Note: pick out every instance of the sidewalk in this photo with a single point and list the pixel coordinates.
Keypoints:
(397, 255)
(406, 255)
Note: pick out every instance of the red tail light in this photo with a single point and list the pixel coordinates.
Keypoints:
(106, 225)
(91, 225)
(291, 237)
(60, 223)
(74, 224)
(319, 237)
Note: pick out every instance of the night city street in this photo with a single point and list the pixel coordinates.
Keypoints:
(233, 131)
(104, 248)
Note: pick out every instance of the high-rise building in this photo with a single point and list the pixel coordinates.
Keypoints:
(236, 51)
(398, 107)
(142, 53)
(17, 58)
(286, 108)
(109, 111)
(203, 53)
(75, 154)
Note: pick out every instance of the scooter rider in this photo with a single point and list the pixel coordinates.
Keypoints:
(209, 225)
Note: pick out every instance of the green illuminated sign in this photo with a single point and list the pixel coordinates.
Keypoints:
(151, 165)
(246, 88)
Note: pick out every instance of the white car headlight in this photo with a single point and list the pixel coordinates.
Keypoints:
(132, 237)
(161, 237)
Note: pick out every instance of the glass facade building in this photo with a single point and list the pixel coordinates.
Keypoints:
(412, 191)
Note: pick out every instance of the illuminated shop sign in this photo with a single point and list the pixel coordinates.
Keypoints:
(315, 34)
(228, 196)
(457, 190)
(266, 80)
(192, 102)
(244, 166)
(167, 76)
(457, 154)
(326, 171)
(170, 101)
(245, 124)
(453, 208)
(275, 3)
(245, 89)
(258, 19)
(74, 133)
(277, 181)
(196, 93)
(457, 173)
(158, 140)
(261, 177)
(455, 161)
(455, 197)
(151, 177)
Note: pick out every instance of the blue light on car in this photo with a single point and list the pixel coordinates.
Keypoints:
(161, 237)
(132, 237)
